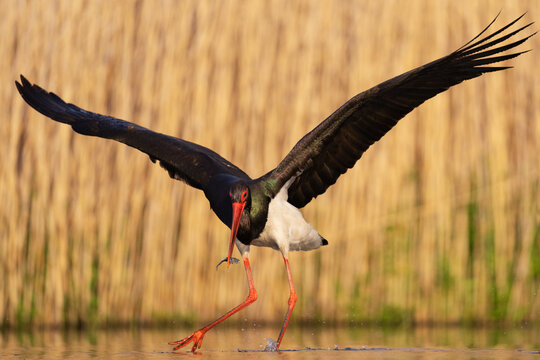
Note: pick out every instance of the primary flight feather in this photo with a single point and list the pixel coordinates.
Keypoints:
(264, 211)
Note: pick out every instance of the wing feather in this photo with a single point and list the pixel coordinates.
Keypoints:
(184, 160)
(335, 145)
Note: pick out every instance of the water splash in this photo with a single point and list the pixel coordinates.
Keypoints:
(271, 346)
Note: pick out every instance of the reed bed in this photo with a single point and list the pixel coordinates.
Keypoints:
(439, 222)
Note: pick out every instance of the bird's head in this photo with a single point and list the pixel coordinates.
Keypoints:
(240, 199)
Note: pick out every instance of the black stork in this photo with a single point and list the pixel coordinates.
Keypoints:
(265, 211)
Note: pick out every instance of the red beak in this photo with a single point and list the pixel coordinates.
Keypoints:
(238, 209)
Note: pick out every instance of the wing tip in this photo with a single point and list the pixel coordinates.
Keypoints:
(46, 103)
(21, 86)
(476, 44)
(24, 84)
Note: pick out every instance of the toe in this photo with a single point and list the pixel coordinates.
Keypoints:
(181, 343)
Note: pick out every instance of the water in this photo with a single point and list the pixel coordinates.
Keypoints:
(308, 342)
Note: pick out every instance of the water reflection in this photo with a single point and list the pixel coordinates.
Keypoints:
(313, 342)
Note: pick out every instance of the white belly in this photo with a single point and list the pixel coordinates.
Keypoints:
(286, 229)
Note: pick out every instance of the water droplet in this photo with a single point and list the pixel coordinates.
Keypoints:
(271, 345)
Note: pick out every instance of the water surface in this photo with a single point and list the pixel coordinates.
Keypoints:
(308, 342)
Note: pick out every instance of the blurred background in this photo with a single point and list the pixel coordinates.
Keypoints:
(439, 222)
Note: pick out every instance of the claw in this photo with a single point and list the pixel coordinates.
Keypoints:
(196, 337)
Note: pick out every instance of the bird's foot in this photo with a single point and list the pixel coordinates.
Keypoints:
(196, 337)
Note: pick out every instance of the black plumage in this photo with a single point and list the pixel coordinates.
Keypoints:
(264, 211)
(335, 145)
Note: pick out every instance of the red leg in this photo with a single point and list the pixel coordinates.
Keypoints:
(197, 336)
(292, 301)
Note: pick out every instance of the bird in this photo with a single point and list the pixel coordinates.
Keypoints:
(265, 211)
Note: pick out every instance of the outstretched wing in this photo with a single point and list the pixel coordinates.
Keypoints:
(184, 160)
(335, 145)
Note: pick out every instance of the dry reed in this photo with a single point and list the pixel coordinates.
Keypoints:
(438, 222)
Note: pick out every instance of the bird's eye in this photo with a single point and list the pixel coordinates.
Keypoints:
(244, 196)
